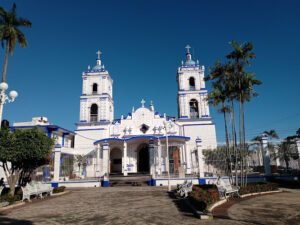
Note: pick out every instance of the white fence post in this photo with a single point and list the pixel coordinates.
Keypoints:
(266, 152)
(57, 154)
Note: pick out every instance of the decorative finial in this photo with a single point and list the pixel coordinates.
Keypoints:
(182, 62)
(151, 106)
(89, 67)
(143, 102)
(98, 53)
(188, 48)
(132, 108)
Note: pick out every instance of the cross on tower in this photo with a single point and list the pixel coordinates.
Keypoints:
(98, 53)
(188, 48)
(143, 102)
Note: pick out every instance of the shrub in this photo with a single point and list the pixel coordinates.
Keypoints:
(59, 189)
(203, 196)
(258, 187)
(10, 198)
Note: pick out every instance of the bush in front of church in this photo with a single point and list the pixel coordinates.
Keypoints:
(202, 196)
(59, 189)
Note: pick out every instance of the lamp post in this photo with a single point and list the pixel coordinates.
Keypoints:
(4, 98)
(168, 159)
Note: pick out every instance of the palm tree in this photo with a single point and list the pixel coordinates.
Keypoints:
(243, 88)
(10, 33)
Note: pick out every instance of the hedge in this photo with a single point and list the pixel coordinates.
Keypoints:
(202, 196)
(59, 189)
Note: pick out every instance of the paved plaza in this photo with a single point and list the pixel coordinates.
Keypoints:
(147, 205)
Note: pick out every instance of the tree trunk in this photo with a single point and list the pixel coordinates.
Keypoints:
(227, 146)
(234, 142)
(5, 61)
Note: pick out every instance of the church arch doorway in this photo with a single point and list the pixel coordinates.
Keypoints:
(143, 159)
(116, 160)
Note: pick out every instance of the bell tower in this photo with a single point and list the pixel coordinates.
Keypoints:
(96, 102)
(192, 94)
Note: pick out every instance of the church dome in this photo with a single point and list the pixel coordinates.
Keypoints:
(97, 67)
(189, 62)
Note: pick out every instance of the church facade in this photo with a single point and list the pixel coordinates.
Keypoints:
(144, 141)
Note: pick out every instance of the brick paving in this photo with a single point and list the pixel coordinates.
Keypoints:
(131, 205)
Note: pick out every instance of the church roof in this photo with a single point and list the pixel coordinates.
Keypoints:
(189, 62)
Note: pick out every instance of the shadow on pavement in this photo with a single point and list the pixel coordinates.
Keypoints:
(181, 206)
(8, 221)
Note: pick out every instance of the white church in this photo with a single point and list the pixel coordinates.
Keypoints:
(137, 143)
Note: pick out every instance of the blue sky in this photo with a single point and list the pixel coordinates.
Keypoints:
(143, 44)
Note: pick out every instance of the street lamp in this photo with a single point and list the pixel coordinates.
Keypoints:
(4, 98)
(168, 158)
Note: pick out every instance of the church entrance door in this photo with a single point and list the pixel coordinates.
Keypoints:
(116, 161)
(143, 159)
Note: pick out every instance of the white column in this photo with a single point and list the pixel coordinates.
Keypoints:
(277, 158)
(124, 160)
(200, 157)
(105, 163)
(151, 158)
(158, 163)
(266, 152)
(188, 159)
(57, 154)
(98, 161)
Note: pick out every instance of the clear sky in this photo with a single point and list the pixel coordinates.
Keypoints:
(143, 44)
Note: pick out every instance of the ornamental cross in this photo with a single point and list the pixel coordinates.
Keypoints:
(143, 102)
(188, 48)
(98, 53)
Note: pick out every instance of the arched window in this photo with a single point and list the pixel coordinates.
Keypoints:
(194, 110)
(94, 113)
(192, 83)
(95, 88)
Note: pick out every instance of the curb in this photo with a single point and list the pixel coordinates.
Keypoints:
(61, 193)
(218, 203)
(209, 215)
(12, 206)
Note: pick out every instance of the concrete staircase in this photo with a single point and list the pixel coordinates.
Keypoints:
(130, 180)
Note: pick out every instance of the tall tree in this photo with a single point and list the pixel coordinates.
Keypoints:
(244, 82)
(10, 33)
(23, 151)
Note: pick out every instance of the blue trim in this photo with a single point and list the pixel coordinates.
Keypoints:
(198, 124)
(156, 113)
(83, 98)
(138, 137)
(153, 182)
(202, 181)
(54, 184)
(103, 98)
(104, 120)
(82, 121)
(195, 178)
(105, 183)
(71, 182)
(90, 129)
(183, 117)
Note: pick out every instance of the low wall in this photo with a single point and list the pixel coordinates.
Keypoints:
(196, 180)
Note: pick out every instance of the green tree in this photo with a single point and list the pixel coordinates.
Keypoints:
(242, 90)
(22, 151)
(10, 33)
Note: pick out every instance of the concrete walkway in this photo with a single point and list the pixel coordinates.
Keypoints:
(142, 205)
